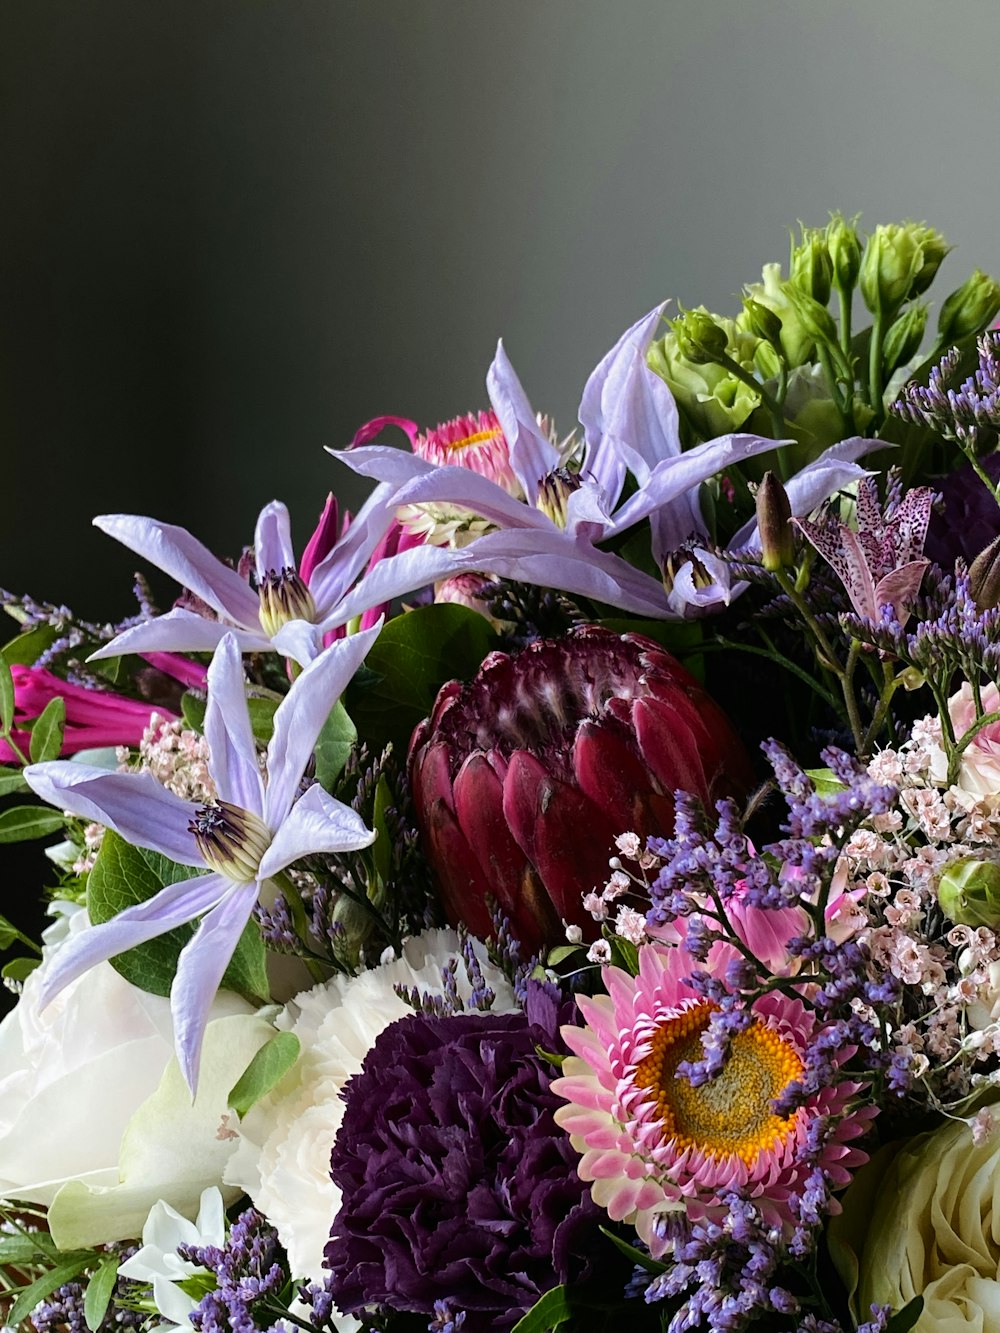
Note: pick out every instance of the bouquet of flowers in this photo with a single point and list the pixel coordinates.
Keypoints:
(565, 892)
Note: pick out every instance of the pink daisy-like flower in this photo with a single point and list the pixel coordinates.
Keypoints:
(652, 1142)
(476, 441)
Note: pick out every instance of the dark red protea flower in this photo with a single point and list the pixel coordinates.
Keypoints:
(523, 779)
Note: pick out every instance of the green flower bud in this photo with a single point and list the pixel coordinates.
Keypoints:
(904, 337)
(984, 577)
(814, 317)
(811, 269)
(699, 338)
(711, 398)
(970, 308)
(899, 257)
(773, 522)
(933, 248)
(845, 251)
(969, 893)
(796, 343)
(762, 321)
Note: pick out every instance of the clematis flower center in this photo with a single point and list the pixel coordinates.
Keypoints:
(231, 839)
(554, 492)
(284, 597)
(730, 1115)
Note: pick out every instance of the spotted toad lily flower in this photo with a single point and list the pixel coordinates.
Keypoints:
(252, 831)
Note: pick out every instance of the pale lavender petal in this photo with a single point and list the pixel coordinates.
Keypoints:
(398, 575)
(835, 468)
(173, 906)
(532, 456)
(183, 557)
(273, 541)
(587, 514)
(233, 755)
(300, 717)
(316, 823)
(690, 597)
(180, 631)
(200, 968)
(299, 640)
(132, 804)
(673, 477)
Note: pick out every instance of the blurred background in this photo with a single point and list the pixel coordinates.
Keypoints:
(232, 232)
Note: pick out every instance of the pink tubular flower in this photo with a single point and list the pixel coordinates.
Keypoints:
(94, 718)
(653, 1142)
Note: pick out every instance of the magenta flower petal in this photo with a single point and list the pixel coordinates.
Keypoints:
(191, 674)
(227, 730)
(316, 823)
(273, 541)
(132, 804)
(323, 540)
(532, 456)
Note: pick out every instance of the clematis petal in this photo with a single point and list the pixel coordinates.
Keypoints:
(273, 540)
(173, 906)
(315, 823)
(233, 762)
(200, 966)
(132, 804)
(532, 456)
(185, 559)
(180, 631)
(301, 715)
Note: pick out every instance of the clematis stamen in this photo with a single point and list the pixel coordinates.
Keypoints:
(284, 597)
(554, 492)
(231, 840)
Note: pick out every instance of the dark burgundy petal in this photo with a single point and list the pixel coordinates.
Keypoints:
(612, 773)
(479, 806)
(669, 747)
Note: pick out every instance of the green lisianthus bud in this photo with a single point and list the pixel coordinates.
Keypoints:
(712, 399)
(984, 577)
(845, 251)
(762, 322)
(774, 513)
(969, 308)
(811, 270)
(933, 249)
(892, 261)
(699, 338)
(814, 317)
(969, 893)
(904, 337)
(796, 343)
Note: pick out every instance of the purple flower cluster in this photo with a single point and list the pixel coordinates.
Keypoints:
(250, 1274)
(969, 414)
(457, 1184)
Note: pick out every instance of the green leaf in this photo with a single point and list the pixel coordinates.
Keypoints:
(10, 783)
(193, 711)
(6, 697)
(415, 654)
(271, 1063)
(333, 749)
(18, 1250)
(548, 1312)
(624, 954)
(47, 732)
(903, 1320)
(561, 952)
(635, 1256)
(23, 822)
(124, 875)
(100, 1289)
(70, 1266)
(381, 851)
(824, 781)
(25, 649)
(9, 933)
(262, 713)
(18, 968)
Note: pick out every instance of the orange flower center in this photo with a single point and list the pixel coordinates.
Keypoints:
(730, 1114)
(480, 437)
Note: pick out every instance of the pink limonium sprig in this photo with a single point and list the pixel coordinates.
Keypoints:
(253, 830)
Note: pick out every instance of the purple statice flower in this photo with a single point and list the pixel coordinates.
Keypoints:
(969, 414)
(250, 1274)
(457, 1184)
(257, 827)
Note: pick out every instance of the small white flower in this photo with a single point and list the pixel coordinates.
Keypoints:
(158, 1262)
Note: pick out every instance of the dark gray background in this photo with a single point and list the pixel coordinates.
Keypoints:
(231, 230)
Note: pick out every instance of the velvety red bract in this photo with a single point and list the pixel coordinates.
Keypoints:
(523, 778)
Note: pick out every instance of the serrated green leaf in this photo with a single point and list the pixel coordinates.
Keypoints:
(903, 1320)
(634, 1255)
(18, 968)
(69, 1267)
(547, 1313)
(6, 697)
(334, 746)
(12, 783)
(271, 1063)
(100, 1289)
(47, 732)
(24, 822)
(124, 875)
(25, 649)
(262, 713)
(415, 654)
(381, 849)
(193, 711)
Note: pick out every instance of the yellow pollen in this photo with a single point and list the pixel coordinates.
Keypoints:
(730, 1115)
(479, 438)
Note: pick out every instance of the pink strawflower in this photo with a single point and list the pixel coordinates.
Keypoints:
(474, 440)
(652, 1142)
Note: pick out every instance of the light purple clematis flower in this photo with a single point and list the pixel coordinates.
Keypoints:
(630, 422)
(252, 831)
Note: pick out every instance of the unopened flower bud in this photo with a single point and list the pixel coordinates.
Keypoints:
(845, 251)
(969, 893)
(933, 249)
(762, 322)
(699, 338)
(899, 262)
(904, 337)
(773, 514)
(970, 308)
(984, 577)
(814, 317)
(811, 270)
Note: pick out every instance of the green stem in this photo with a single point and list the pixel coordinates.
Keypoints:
(833, 383)
(845, 300)
(890, 684)
(980, 471)
(18, 753)
(773, 655)
(875, 368)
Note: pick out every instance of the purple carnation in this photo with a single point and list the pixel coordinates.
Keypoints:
(457, 1183)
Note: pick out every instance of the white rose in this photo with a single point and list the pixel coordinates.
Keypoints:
(924, 1222)
(85, 1096)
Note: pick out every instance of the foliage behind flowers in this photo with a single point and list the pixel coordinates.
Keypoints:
(693, 1008)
